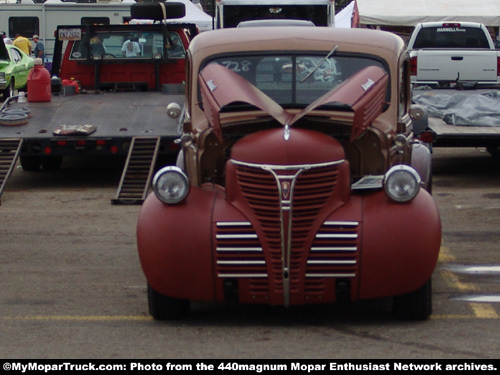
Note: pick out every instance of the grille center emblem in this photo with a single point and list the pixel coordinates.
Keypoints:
(285, 189)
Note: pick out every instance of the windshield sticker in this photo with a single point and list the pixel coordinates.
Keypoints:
(366, 86)
(449, 29)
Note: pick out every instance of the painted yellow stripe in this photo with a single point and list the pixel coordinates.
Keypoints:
(453, 280)
(484, 311)
(445, 255)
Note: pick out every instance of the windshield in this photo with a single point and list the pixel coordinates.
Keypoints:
(127, 45)
(296, 80)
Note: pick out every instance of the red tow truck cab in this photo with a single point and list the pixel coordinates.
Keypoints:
(299, 178)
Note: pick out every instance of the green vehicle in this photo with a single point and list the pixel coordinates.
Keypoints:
(14, 68)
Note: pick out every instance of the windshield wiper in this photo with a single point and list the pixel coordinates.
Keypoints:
(320, 63)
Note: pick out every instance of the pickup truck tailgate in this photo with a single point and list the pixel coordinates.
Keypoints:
(449, 65)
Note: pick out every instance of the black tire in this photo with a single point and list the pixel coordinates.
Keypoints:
(52, 163)
(416, 305)
(31, 163)
(162, 307)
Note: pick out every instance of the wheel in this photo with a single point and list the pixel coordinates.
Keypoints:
(52, 163)
(162, 307)
(9, 91)
(31, 163)
(416, 305)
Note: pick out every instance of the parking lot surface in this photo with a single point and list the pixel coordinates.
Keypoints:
(72, 285)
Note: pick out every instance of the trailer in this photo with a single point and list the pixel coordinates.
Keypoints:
(229, 13)
(28, 18)
(105, 101)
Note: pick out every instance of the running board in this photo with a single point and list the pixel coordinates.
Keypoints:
(9, 152)
(138, 171)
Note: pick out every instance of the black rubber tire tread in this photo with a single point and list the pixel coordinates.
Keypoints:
(162, 307)
(416, 305)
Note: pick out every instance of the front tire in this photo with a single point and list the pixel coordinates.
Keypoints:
(162, 307)
(416, 305)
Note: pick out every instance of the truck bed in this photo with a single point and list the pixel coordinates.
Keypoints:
(463, 136)
(114, 114)
(476, 120)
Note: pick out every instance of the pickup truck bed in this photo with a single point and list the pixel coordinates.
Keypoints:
(477, 120)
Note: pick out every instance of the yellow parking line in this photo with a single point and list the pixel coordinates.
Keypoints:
(481, 310)
(454, 281)
(484, 311)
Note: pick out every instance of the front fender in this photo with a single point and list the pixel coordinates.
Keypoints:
(174, 244)
(400, 244)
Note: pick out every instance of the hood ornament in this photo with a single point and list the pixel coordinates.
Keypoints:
(286, 134)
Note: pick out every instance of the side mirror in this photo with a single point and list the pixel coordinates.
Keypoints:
(174, 110)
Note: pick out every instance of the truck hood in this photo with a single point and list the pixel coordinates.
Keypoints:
(364, 93)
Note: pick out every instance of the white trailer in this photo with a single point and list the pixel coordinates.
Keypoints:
(28, 18)
(229, 13)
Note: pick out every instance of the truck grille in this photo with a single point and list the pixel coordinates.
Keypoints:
(286, 201)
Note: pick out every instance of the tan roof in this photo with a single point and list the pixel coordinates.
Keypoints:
(386, 45)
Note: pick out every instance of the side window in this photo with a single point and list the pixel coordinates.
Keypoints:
(26, 26)
(14, 55)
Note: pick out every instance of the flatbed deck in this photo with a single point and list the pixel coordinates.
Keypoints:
(114, 114)
(463, 136)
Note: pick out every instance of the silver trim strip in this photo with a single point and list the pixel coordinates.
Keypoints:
(287, 167)
(330, 275)
(221, 224)
(247, 249)
(341, 223)
(336, 236)
(235, 236)
(339, 262)
(241, 262)
(334, 249)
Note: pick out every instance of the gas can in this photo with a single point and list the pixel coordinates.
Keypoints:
(71, 82)
(39, 83)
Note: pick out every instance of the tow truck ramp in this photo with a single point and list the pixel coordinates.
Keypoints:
(9, 152)
(138, 171)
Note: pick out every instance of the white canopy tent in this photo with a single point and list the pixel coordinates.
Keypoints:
(411, 12)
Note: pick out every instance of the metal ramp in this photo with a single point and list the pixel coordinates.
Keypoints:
(9, 151)
(138, 171)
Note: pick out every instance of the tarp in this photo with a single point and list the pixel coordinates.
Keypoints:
(411, 12)
(465, 108)
(343, 19)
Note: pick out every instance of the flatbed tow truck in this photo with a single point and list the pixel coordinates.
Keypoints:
(110, 97)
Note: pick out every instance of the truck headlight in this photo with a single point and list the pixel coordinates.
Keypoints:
(402, 183)
(171, 185)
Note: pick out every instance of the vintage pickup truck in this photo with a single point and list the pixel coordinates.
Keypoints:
(299, 181)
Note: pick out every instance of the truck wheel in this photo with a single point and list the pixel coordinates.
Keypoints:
(31, 163)
(416, 305)
(162, 307)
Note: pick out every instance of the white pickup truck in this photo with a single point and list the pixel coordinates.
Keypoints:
(453, 53)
